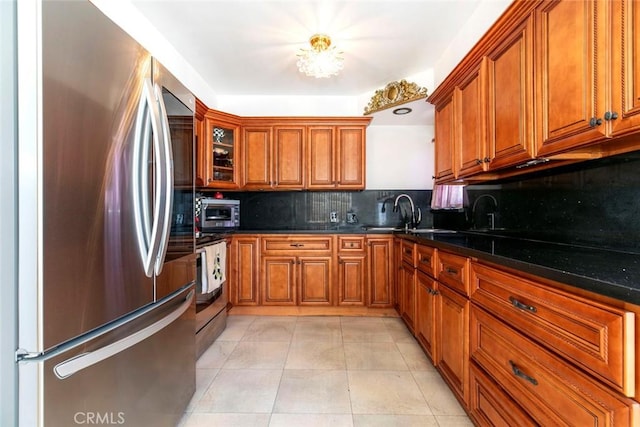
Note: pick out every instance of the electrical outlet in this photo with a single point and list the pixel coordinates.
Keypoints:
(333, 216)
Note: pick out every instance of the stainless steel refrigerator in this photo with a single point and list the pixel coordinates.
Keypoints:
(106, 299)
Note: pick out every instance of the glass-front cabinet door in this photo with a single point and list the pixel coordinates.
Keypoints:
(221, 154)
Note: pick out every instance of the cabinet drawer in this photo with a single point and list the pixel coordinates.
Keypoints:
(426, 259)
(296, 243)
(551, 390)
(408, 252)
(454, 271)
(594, 336)
(489, 405)
(350, 244)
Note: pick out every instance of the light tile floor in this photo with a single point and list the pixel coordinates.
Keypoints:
(269, 371)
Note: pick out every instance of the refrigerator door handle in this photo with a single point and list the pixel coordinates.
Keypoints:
(71, 366)
(146, 231)
(167, 182)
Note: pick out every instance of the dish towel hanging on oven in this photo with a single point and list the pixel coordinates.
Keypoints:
(214, 260)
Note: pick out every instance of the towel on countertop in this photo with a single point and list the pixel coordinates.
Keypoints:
(214, 260)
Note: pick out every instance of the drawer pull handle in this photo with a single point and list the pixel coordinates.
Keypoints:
(518, 373)
(296, 245)
(522, 306)
(451, 270)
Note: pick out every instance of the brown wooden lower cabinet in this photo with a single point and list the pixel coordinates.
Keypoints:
(315, 280)
(452, 340)
(489, 405)
(312, 270)
(244, 267)
(278, 280)
(407, 289)
(380, 271)
(426, 294)
(552, 391)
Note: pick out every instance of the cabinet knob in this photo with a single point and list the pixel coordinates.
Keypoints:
(610, 115)
(479, 161)
(487, 159)
(595, 122)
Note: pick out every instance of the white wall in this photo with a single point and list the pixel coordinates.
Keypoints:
(400, 157)
(485, 15)
(123, 13)
(249, 105)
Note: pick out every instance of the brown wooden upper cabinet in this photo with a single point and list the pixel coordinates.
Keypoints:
(218, 140)
(288, 153)
(556, 79)
(444, 139)
(571, 72)
(273, 157)
(594, 42)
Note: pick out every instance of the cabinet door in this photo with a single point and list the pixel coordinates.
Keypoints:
(625, 72)
(350, 159)
(352, 278)
(408, 295)
(244, 270)
(426, 291)
(452, 313)
(510, 137)
(321, 156)
(381, 275)
(221, 153)
(470, 119)
(288, 151)
(256, 146)
(397, 264)
(278, 280)
(570, 73)
(444, 140)
(315, 280)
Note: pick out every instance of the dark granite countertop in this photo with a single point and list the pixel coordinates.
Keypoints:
(607, 272)
(612, 273)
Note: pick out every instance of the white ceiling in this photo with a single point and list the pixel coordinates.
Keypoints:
(248, 47)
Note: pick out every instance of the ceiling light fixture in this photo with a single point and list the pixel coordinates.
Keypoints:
(402, 111)
(321, 60)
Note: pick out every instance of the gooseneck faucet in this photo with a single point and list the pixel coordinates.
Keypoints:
(416, 215)
(490, 215)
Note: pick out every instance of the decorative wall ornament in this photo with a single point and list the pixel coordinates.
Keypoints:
(395, 93)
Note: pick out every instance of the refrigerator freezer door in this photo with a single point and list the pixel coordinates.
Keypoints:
(147, 384)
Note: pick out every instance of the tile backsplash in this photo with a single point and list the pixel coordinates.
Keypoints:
(289, 210)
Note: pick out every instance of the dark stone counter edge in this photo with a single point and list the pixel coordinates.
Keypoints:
(610, 289)
(606, 288)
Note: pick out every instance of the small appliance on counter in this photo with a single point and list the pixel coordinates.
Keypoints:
(215, 215)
